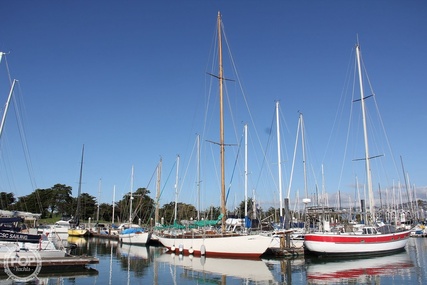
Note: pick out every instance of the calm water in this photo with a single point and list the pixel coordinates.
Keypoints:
(141, 265)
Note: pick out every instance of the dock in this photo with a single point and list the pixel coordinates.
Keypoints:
(67, 263)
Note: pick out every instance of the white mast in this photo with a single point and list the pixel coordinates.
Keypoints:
(114, 198)
(99, 197)
(246, 172)
(176, 187)
(131, 197)
(159, 174)
(279, 162)
(365, 135)
(198, 177)
(7, 105)
(303, 155)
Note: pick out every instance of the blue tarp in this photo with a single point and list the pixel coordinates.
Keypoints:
(132, 231)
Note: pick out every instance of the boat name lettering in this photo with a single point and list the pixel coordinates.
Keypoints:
(13, 236)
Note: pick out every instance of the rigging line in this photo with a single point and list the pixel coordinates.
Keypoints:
(246, 104)
(188, 166)
(148, 184)
(348, 126)
(265, 156)
(234, 169)
(294, 157)
(244, 96)
(341, 103)
(164, 186)
(386, 136)
(24, 138)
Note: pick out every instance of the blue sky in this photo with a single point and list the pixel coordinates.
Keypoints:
(128, 80)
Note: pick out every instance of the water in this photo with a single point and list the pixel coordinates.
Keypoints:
(123, 264)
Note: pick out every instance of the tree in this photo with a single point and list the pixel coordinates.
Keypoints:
(36, 202)
(87, 206)
(105, 212)
(241, 209)
(60, 199)
(184, 212)
(7, 200)
(142, 206)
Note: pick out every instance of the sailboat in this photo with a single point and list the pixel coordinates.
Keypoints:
(76, 229)
(368, 239)
(132, 233)
(223, 244)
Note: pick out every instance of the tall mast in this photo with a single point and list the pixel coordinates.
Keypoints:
(114, 201)
(303, 155)
(99, 198)
(157, 211)
(365, 135)
(221, 121)
(7, 104)
(246, 174)
(131, 197)
(176, 187)
(198, 177)
(80, 188)
(279, 163)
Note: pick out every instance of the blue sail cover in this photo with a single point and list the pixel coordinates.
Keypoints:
(132, 231)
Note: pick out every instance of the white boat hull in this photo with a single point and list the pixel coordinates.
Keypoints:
(138, 238)
(339, 244)
(44, 249)
(236, 246)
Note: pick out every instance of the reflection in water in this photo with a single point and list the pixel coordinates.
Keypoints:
(358, 271)
(195, 268)
(121, 264)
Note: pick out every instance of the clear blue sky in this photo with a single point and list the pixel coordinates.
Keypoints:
(128, 80)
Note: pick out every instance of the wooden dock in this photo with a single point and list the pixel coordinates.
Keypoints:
(67, 263)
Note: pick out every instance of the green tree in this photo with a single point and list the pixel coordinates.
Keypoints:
(36, 202)
(241, 209)
(105, 212)
(7, 200)
(88, 207)
(142, 206)
(60, 199)
(184, 212)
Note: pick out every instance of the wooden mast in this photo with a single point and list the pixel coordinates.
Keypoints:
(221, 122)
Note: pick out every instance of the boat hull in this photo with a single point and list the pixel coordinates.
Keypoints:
(234, 246)
(78, 232)
(342, 244)
(138, 238)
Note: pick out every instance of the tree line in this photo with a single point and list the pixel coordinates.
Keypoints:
(57, 201)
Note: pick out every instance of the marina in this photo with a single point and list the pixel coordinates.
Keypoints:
(226, 219)
(130, 264)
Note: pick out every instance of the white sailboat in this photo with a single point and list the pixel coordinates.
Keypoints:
(368, 240)
(223, 244)
(131, 233)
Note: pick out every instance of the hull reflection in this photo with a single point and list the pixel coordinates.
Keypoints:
(251, 270)
(358, 270)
